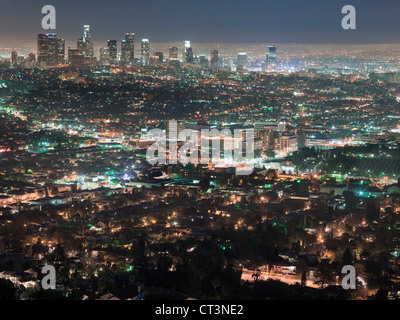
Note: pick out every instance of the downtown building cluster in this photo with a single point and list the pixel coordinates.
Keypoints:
(52, 52)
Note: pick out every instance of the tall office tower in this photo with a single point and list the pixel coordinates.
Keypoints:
(214, 59)
(124, 53)
(47, 48)
(159, 56)
(128, 49)
(145, 52)
(173, 53)
(112, 46)
(203, 61)
(72, 54)
(271, 57)
(189, 55)
(104, 56)
(87, 42)
(76, 58)
(242, 58)
(80, 45)
(130, 41)
(61, 51)
(14, 58)
(187, 52)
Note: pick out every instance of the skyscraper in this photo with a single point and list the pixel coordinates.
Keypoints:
(187, 52)
(145, 52)
(158, 57)
(113, 51)
(47, 49)
(104, 56)
(87, 41)
(128, 49)
(189, 55)
(14, 58)
(76, 58)
(61, 51)
(271, 57)
(214, 59)
(242, 58)
(124, 53)
(203, 61)
(173, 53)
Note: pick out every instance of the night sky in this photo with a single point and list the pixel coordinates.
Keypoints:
(253, 21)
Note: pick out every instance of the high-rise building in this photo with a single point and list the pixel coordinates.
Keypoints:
(112, 46)
(189, 55)
(61, 51)
(80, 46)
(203, 61)
(159, 56)
(173, 53)
(47, 49)
(145, 53)
(76, 58)
(14, 58)
(214, 59)
(87, 42)
(242, 58)
(71, 52)
(104, 56)
(187, 52)
(128, 49)
(271, 57)
(124, 53)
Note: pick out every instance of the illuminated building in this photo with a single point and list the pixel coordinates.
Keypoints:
(72, 52)
(128, 49)
(286, 143)
(187, 52)
(47, 49)
(214, 58)
(104, 56)
(14, 57)
(242, 58)
(61, 51)
(157, 59)
(271, 57)
(145, 52)
(31, 60)
(113, 51)
(203, 61)
(173, 53)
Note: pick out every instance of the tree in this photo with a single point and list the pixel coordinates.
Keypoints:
(325, 273)
(271, 174)
(371, 212)
(347, 258)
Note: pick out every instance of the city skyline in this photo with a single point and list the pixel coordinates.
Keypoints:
(241, 22)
